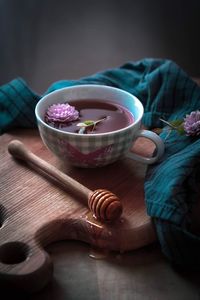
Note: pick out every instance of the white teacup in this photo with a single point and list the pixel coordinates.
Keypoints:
(96, 149)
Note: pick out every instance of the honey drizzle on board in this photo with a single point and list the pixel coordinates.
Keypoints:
(97, 252)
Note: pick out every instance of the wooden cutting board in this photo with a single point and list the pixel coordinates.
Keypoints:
(36, 211)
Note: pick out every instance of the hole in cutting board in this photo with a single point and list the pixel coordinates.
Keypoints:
(13, 253)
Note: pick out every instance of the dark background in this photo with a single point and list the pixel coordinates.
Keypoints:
(48, 40)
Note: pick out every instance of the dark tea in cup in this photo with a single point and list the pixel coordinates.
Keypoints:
(91, 116)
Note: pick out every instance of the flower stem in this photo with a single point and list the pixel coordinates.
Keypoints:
(167, 123)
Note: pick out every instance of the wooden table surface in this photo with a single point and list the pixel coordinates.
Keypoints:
(141, 274)
(81, 273)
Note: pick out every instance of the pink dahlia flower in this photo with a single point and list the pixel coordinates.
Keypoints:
(192, 123)
(60, 114)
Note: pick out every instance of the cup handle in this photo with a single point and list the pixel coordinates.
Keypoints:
(158, 143)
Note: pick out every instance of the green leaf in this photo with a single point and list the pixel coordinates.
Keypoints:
(181, 129)
(86, 123)
(178, 124)
(89, 122)
(175, 125)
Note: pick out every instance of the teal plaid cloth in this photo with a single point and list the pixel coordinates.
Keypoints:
(171, 185)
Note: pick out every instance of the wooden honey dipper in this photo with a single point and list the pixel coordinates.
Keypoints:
(104, 205)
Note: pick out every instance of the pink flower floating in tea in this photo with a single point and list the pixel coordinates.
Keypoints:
(60, 114)
(189, 126)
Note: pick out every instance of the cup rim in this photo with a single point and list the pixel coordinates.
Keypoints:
(89, 134)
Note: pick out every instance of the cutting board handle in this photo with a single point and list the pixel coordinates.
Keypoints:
(28, 267)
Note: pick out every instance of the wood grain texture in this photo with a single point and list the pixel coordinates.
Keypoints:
(36, 211)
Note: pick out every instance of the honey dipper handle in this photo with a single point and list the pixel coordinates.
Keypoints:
(20, 151)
